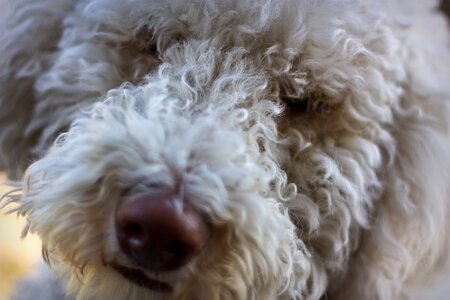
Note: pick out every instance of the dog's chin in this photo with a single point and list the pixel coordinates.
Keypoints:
(139, 278)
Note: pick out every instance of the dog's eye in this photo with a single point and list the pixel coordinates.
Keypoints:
(297, 105)
(311, 103)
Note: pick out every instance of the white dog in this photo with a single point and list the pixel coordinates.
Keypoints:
(229, 149)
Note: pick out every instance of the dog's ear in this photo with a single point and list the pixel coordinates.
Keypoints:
(29, 34)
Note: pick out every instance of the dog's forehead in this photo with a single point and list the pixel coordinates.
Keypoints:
(236, 53)
(229, 23)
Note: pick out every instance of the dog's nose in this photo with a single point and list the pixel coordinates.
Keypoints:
(160, 233)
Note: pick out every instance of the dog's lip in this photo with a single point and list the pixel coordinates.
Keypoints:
(139, 278)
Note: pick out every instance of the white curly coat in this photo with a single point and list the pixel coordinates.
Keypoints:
(314, 134)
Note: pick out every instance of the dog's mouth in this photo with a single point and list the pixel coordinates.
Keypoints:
(139, 278)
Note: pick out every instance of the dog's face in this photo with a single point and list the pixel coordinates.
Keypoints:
(242, 166)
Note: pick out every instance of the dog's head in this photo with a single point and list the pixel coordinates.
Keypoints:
(243, 165)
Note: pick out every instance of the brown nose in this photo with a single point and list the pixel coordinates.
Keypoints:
(158, 235)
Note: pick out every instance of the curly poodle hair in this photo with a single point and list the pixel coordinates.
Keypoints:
(310, 138)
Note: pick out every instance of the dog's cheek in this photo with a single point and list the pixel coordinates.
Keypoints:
(72, 226)
(255, 251)
(68, 198)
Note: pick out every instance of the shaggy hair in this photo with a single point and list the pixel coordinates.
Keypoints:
(313, 134)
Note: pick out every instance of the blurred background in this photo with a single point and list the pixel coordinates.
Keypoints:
(18, 257)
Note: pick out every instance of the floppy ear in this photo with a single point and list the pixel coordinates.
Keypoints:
(409, 236)
(29, 34)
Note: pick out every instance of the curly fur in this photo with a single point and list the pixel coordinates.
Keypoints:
(313, 134)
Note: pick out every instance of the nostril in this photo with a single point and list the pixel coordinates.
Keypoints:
(135, 233)
(174, 250)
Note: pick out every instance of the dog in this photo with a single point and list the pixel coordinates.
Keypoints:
(224, 149)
